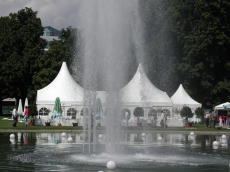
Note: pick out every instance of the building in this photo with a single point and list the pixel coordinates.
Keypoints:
(8, 105)
(50, 34)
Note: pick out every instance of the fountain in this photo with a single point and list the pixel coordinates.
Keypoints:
(111, 33)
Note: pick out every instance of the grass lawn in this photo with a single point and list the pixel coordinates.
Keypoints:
(7, 125)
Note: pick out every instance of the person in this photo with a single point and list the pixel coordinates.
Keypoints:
(224, 119)
(165, 120)
(25, 138)
(26, 113)
(162, 119)
(207, 116)
(228, 119)
(127, 117)
(220, 121)
(214, 118)
(15, 116)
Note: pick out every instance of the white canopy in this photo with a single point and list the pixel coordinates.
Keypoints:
(221, 106)
(64, 87)
(140, 91)
(181, 98)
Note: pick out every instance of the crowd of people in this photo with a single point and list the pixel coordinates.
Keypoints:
(212, 118)
(15, 116)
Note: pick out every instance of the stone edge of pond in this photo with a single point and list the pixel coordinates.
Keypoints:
(102, 131)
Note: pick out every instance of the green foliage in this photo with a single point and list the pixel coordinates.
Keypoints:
(33, 110)
(200, 113)
(185, 42)
(160, 59)
(202, 29)
(138, 112)
(186, 112)
(20, 47)
(49, 64)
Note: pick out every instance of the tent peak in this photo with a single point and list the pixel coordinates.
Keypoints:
(182, 97)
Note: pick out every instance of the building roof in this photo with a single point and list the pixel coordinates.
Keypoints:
(51, 31)
(140, 91)
(64, 87)
(181, 97)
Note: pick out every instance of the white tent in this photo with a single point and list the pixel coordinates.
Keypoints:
(141, 92)
(64, 87)
(181, 98)
(221, 106)
(138, 92)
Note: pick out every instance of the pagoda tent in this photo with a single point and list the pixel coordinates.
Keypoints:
(140, 92)
(64, 87)
(181, 98)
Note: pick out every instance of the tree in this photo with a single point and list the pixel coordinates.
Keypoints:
(138, 112)
(200, 113)
(4, 27)
(48, 66)
(160, 50)
(186, 112)
(20, 46)
(202, 28)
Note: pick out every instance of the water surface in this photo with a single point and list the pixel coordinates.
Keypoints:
(135, 153)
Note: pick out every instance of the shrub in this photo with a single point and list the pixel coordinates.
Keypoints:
(33, 110)
(200, 113)
(138, 112)
(186, 112)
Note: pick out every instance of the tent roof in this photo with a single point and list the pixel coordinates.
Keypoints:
(181, 97)
(64, 87)
(221, 106)
(141, 91)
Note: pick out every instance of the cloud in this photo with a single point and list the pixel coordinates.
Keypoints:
(56, 13)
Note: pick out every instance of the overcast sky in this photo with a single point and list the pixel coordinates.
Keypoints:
(56, 13)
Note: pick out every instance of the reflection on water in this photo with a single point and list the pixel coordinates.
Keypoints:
(137, 152)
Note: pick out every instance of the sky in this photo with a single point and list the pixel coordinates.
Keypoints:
(55, 13)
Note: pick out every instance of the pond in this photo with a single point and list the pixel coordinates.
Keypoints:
(137, 152)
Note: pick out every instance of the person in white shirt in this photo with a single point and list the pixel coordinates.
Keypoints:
(15, 116)
(207, 116)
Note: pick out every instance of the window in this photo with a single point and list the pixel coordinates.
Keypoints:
(43, 111)
(71, 112)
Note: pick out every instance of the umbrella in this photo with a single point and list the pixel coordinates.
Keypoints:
(98, 108)
(57, 111)
(20, 110)
(26, 103)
